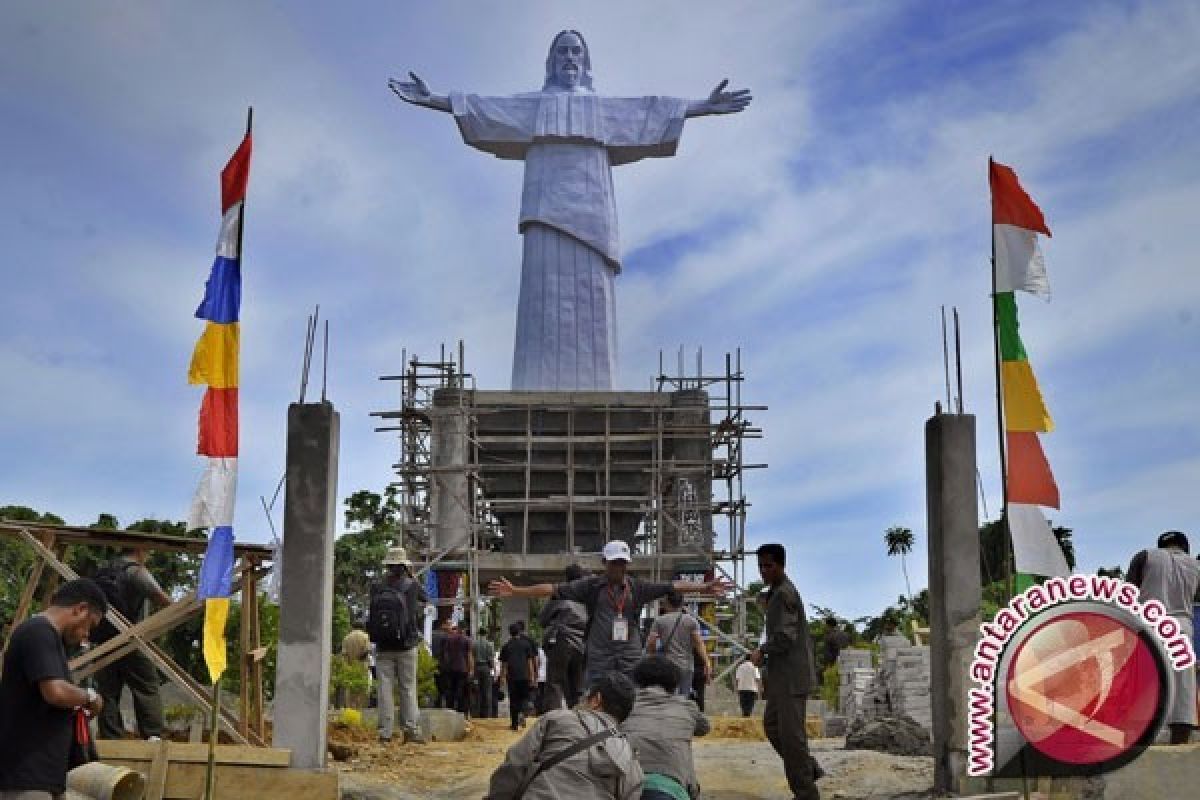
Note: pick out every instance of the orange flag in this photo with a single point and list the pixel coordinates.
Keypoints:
(1029, 477)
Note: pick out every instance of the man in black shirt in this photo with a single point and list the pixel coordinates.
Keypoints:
(518, 668)
(37, 696)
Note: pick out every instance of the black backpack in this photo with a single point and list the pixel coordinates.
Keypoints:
(390, 620)
(122, 596)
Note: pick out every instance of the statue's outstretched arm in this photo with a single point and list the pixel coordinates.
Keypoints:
(719, 101)
(417, 93)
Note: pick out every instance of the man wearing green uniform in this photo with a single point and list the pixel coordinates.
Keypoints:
(791, 677)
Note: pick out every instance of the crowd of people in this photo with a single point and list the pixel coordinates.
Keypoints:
(617, 714)
(616, 707)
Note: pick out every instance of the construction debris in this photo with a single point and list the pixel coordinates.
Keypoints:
(899, 686)
(894, 735)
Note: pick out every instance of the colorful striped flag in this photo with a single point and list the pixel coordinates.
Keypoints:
(1029, 483)
(215, 364)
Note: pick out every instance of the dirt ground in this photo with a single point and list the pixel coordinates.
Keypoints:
(734, 762)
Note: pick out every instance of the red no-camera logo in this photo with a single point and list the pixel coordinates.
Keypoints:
(1084, 688)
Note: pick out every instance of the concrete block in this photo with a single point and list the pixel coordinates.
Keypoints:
(835, 725)
(443, 725)
(1160, 772)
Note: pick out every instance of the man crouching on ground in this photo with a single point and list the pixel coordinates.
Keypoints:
(575, 754)
(661, 728)
(37, 697)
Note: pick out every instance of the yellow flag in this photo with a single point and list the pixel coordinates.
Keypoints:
(216, 611)
(215, 359)
(1024, 408)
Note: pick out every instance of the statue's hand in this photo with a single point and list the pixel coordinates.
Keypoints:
(723, 102)
(414, 91)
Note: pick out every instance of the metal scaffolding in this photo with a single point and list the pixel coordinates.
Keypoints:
(542, 478)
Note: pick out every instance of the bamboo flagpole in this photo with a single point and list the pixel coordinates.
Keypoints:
(214, 733)
(1006, 534)
(214, 729)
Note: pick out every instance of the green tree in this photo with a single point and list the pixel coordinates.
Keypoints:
(16, 560)
(268, 629)
(358, 555)
(995, 553)
(1063, 536)
(756, 621)
(920, 606)
(899, 542)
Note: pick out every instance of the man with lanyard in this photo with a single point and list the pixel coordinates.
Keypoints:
(1171, 576)
(791, 677)
(614, 601)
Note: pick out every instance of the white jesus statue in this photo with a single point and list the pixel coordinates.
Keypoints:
(569, 138)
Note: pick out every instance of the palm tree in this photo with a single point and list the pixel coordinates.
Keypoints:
(900, 542)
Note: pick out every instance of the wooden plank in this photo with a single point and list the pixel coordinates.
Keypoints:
(258, 722)
(107, 538)
(152, 651)
(156, 780)
(188, 753)
(152, 627)
(186, 782)
(244, 628)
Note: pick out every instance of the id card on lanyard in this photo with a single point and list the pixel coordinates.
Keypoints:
(620, 632)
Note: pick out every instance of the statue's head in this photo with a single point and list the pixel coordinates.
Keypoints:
(568, 65)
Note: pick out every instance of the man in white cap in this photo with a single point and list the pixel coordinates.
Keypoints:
(614, 602)
(394, 625)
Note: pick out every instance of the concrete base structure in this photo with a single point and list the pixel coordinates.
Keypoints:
(955, 592)
(562, 473)
(306, 593)
(1159, 773)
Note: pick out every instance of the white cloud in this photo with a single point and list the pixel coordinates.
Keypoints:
(830, 279)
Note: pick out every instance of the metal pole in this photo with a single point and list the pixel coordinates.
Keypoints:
(958, 359)
(946, 358)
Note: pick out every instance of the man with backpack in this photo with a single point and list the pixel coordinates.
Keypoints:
(614, 602)
(128, 586)
(564, 623)
(394, 625)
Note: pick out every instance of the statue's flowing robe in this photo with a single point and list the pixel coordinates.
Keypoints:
(569, 141)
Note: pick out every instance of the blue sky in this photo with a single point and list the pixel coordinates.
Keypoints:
(820, 231)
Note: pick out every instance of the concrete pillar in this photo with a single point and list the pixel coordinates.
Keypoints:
(306, 594)
(690, 449)
(450, 499)
(954, 587)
